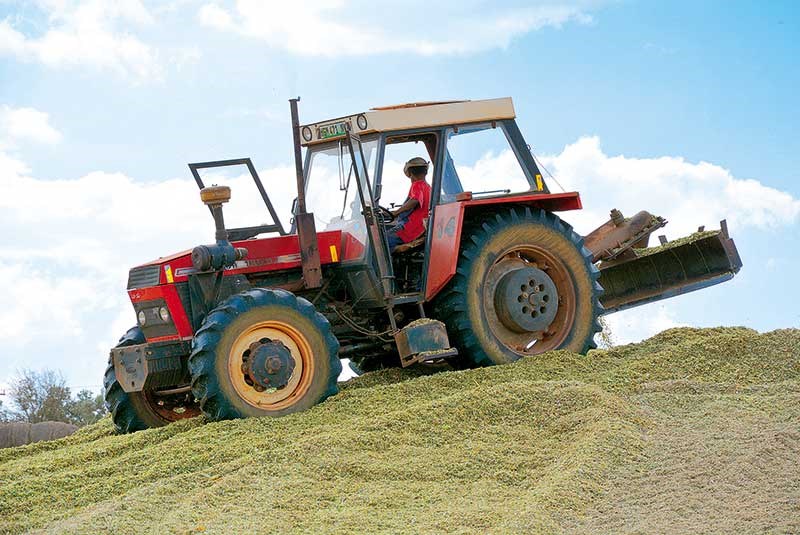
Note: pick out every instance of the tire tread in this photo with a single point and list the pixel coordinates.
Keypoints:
(205, 385)
(450, 305)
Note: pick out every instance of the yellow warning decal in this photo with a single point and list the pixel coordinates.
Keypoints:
(334, 254)
(539, 183)
(168, 273)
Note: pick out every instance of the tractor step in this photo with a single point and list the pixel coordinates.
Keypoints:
(423, 340)
(428, 356)
(402, 299)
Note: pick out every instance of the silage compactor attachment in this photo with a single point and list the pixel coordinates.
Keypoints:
(632, 273)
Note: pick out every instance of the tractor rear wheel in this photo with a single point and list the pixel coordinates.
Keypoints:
(134, 411)
(524, 285)
(263, 352)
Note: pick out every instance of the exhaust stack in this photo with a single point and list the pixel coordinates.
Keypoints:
(222, 254)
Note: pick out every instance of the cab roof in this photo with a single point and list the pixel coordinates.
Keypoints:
(409, 116)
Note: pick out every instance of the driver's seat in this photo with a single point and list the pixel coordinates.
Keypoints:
(410, 246)
(414, 244)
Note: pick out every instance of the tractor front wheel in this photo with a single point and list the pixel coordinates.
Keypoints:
(524, 285)
(134, 411)
(263, 352)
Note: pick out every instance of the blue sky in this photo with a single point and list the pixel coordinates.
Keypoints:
(102, 105)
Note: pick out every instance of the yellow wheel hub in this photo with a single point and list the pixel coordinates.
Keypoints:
(300, 350)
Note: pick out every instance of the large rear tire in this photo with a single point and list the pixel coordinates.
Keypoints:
(514, 265)
(260, 324)
(134, 411)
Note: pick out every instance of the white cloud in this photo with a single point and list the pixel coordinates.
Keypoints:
(687, 194)
(214, 16)
(90, 32)
(10, 166)
(640, 323)
(334, 28)
(26, 124)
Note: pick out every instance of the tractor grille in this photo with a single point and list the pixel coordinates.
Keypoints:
(143, 277)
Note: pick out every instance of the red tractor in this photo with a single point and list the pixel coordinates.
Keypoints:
(255, 326)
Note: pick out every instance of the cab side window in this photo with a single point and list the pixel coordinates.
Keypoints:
(480, 160)
(400, 149)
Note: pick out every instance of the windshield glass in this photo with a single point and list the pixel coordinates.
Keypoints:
(479, 159)
(331, 190)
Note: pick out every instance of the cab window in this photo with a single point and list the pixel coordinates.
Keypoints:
(331, 190)
(398, 150)
(479, 159)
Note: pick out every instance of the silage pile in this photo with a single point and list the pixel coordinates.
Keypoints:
(692, 430)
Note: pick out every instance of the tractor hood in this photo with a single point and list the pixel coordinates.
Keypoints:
(264, 254)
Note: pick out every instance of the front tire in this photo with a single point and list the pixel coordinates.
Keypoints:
(134, 411)
(234, 333)
(513, 267)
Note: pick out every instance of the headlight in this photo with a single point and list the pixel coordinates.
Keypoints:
(361, 121)
(142, 317)
(307, 134)
(164, 313)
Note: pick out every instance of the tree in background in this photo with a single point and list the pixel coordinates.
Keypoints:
(44, 396)
(5, 415)
(86, 408)
(40, 396)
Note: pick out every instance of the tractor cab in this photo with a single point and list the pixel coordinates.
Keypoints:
(461, 154)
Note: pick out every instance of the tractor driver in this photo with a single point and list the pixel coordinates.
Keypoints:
(410, 216)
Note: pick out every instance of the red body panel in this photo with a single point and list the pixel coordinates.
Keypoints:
(169, 294)
(352, 248)
(446, 230)
(264, 254)
(449, 219)
(552, 202)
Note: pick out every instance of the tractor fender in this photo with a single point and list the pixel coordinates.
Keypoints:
(448, 220)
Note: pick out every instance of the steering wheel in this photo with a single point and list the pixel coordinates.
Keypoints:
(384, 216)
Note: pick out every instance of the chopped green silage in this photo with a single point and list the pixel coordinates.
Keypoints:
(622, 440)
(691, 238)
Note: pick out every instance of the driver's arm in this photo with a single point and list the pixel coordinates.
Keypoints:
(410, 204)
